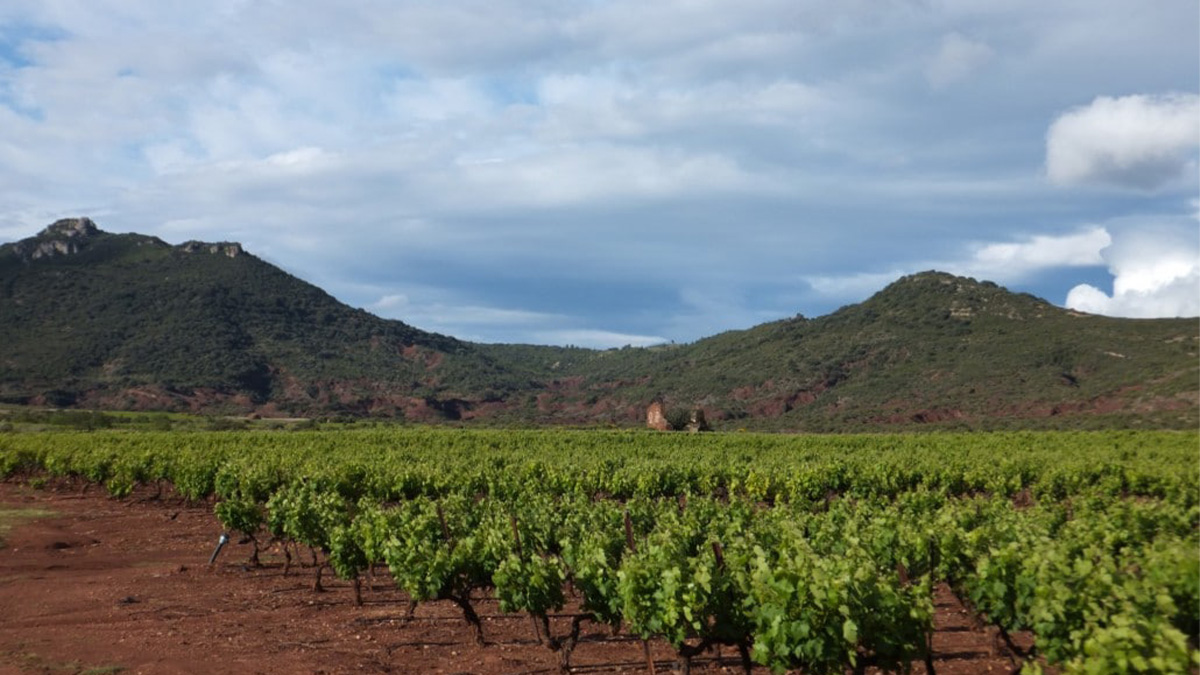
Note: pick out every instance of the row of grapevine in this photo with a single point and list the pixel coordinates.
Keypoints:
(1106, 585)
(820, 554)
(695, 573)
(404, 464)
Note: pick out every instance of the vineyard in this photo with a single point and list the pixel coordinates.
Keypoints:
(814, 554)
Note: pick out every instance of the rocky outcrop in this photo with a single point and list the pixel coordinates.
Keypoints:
(80, 228)
(231, 249)
(63, 237)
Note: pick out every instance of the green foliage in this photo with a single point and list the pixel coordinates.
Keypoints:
(820, 613)
(346, 555)
(240, 515)
(677, 583)
(306, 514)
(530, 583)
(678, 418)
(80, 420)
(436, 550)
(592, 548)
(225, 424)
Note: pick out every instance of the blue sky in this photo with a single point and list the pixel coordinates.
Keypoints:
(603, 173)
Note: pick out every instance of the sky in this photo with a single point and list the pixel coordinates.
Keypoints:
(604, 173)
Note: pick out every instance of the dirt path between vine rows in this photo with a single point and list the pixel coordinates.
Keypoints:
(97, 585)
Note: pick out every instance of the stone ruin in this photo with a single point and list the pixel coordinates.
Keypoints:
(696, 422)
(656, 418)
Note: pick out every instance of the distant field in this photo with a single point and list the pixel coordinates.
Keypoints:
(818, 552)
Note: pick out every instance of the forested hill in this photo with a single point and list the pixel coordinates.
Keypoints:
(126, 321)
(930, 349)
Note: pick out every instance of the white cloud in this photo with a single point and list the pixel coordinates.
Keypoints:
(299, 160)
(438, 100)
(854, 287)
(596, 339)
(1005, 262)
(441, 312)
(596, 173)
(1156, 273)
(1008, 261)
(607, 105)
(465, 316)
(957, 58)
(490, 324)
(390, 302)
(168, 157)
(1140, 142)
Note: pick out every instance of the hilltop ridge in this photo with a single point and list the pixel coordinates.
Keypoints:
(63, 237)
(95, 319)
(70, 236)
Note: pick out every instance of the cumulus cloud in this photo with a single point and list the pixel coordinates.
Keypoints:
(1156, 273)
(1141, 142)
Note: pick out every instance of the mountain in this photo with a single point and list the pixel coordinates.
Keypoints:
(930, 348)
(126, 321)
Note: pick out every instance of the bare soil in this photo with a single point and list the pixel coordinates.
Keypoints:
(104, 586)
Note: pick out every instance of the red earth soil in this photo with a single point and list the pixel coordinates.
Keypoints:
(97, 585)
